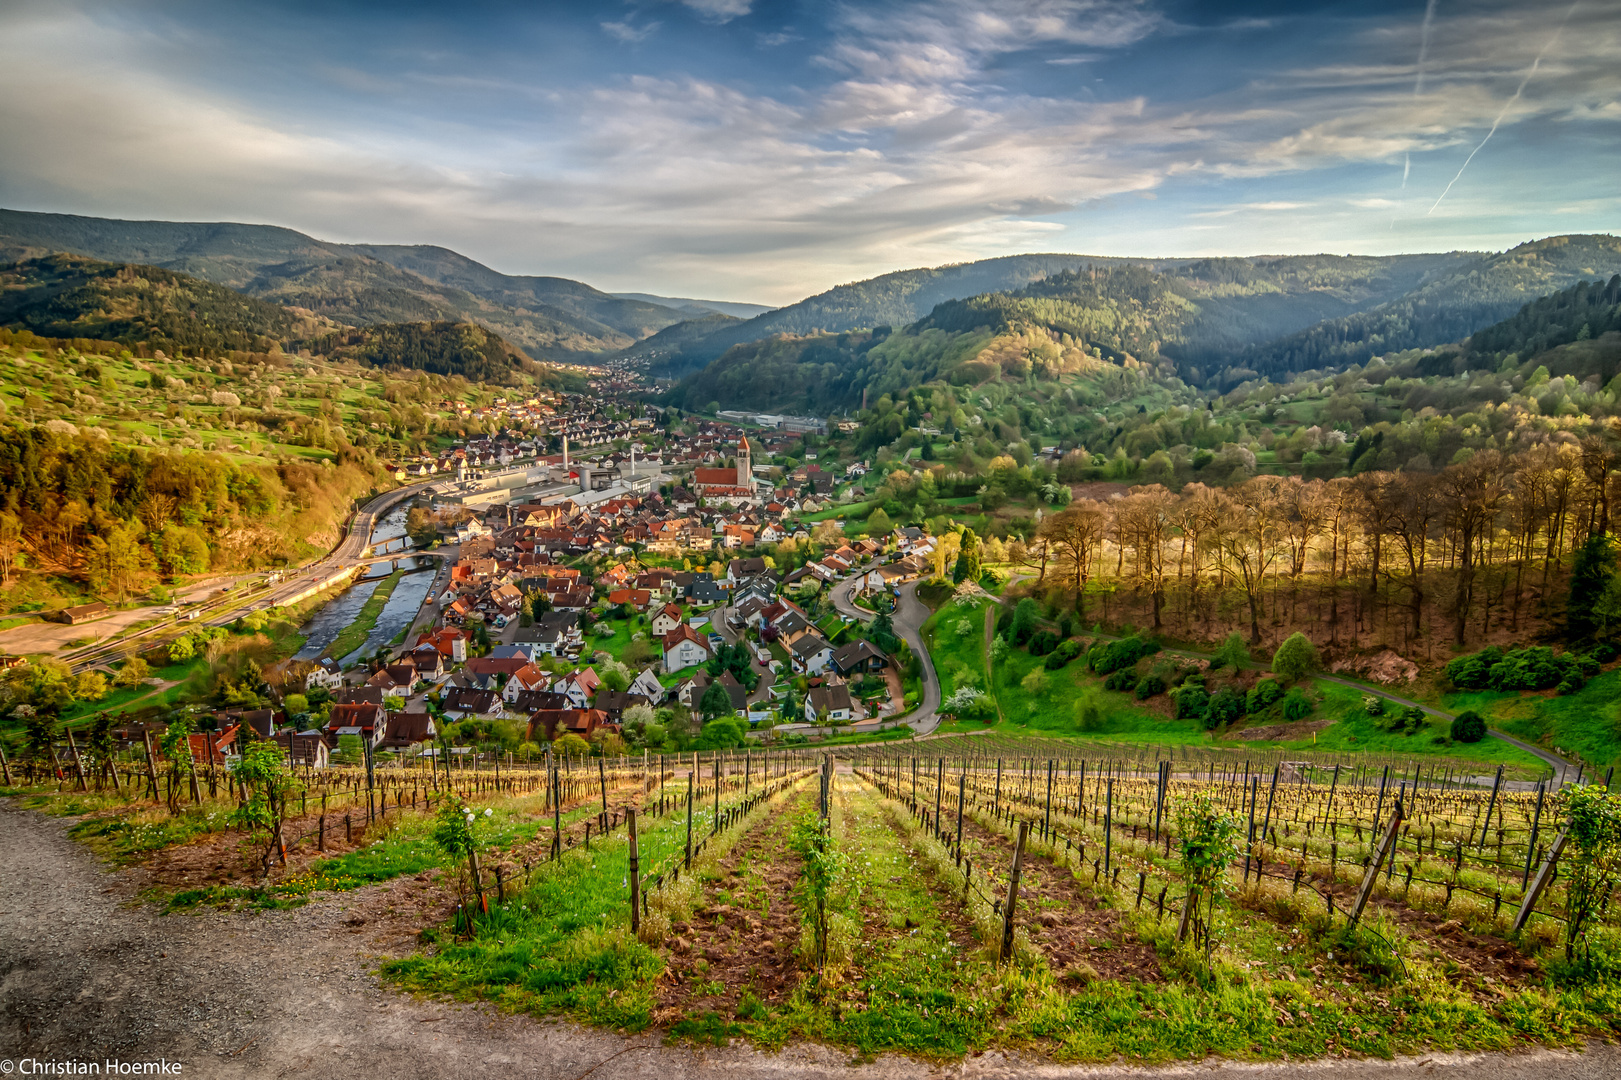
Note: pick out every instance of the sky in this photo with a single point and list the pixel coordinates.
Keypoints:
(765, 150)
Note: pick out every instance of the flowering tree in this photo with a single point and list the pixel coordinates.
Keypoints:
(456, 833)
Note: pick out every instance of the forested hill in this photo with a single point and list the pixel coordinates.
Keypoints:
(1204, 311)
(1586, 310)
(69, 296)
(1238, 301)
(441, 348)
(150, 308)
(1447, 308)
(353, 284)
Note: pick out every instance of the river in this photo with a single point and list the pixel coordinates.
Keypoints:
(340, 612)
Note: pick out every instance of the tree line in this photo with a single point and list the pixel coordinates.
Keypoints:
(1480, 544)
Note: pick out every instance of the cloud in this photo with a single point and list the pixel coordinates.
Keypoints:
(629, 33)
(720, 10)
(907, 140)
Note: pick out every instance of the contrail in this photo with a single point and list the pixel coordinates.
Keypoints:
(1418, 85)
(1509, 104)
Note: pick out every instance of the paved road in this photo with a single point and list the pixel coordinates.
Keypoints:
(87, 973)
(910, 615)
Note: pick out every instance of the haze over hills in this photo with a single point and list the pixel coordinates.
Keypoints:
(700, 308)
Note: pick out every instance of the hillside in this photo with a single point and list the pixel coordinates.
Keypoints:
(1447, 308)
(442, 348)
(699, 308)
(70, 296)
(150, 309)
(547, 317)
(1243, 301)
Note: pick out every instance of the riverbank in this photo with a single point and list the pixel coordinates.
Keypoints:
(355, 634)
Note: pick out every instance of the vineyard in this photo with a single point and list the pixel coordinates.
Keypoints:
(983, 895)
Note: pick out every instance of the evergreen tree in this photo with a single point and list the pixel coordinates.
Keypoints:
(1591, 577)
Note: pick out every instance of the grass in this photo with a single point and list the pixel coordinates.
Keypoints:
(354, 635)
(1586, 724)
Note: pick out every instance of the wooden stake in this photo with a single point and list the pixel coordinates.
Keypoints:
(1013, 893)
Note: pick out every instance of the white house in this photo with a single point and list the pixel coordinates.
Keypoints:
(811, 654)
(647, 684)
(666, 620)
(683, 648)
(326, 673)
(834, 699)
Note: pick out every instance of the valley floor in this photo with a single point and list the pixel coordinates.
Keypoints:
(89, 973)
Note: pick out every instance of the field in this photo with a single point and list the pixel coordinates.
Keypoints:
(989, 895)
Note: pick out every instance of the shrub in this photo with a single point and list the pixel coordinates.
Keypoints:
(1226, 706)
(1535, 668)
(1468, 727)
(1088, 716)
(1067, 650)
(1265, 693)
(1109, 657)
(1606, 651)
(1149, 685)
(1296, 705)
(1373, 704)
(1043, 642)
(1192, 701)
(1124, 679)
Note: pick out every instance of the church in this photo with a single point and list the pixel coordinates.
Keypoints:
(728, 485)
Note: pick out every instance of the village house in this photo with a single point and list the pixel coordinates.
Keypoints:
(683, 648)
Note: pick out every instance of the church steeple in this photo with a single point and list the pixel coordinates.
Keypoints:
(745, 474)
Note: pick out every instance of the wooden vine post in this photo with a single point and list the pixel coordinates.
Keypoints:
(1386, 846)
(1006, 951)
(1540, 882)
(635, 873)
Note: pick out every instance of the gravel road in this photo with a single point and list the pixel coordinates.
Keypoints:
(87, 974)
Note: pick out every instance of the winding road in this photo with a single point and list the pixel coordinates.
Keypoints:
(910, 615)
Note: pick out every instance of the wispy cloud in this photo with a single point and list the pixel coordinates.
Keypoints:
(720, 10)
(626, 31)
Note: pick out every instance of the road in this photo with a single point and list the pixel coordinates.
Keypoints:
(910, 615)
(223, 610)
(89, 973)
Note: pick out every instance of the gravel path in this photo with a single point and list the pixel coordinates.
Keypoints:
(86, 974)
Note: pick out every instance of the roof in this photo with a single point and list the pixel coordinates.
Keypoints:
(857, 652)
(467, 700)
(831, 698)
(810, 645)
(684, 633)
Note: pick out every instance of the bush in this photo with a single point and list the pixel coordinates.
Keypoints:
(1149, 685)
(1536, 668)
(1468, 727)
(1296, 705)
(1192, 701)
(1606, 651)
(1373, 704)
(1265, 693)
(1025, 614)
(1124, 679)
(1067, 650)
(1226, 706)
(1043, 642)
(1088, 716)
(1109, 657)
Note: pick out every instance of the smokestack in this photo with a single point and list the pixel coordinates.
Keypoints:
(565, 454)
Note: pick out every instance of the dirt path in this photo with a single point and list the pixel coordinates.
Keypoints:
(87, 976)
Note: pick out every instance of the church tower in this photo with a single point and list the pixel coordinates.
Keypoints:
(745, 474)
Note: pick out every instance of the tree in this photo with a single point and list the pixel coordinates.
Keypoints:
(133, 672)
(571, 745)
(722, 734)
(1592, 576)
(1208, 838)
(1234, 652)
(1295, 657)
(716, 702)
(1468, 727)
(967, 568)
(878, 522)
(1025, 615)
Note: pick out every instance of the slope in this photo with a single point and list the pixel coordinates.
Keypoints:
(1244, 301)
(549, 317)
(1447, 308)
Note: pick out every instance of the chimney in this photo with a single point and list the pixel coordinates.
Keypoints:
(565, 454)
